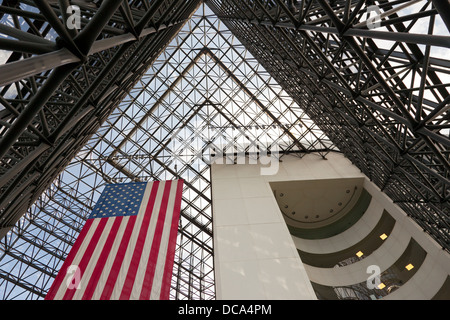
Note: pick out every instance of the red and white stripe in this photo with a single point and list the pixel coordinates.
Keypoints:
(129, 257)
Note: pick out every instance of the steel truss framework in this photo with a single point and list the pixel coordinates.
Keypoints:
(204, 92)
(381, 95)
(79, 108)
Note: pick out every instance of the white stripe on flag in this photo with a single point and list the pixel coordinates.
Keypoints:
(123, 273)
(77, 259)
(147, 237)
(161, 260)
(86, 275)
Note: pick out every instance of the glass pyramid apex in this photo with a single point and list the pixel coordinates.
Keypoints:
(204, 91)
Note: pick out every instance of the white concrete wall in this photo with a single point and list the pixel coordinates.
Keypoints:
(436, 267)
(254, 254)
(256, 258)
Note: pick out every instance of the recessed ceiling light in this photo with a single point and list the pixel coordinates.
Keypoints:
(409, 267)
(359, 254)
(383, 236)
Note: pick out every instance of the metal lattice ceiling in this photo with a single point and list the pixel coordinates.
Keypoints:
(204, 91)
(119, 99)
(380, 94)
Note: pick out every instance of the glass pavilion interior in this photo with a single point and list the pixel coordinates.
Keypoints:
(146, 89)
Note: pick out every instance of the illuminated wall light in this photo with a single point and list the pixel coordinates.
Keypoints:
(383, 236)
(359, 254)
(409, 267)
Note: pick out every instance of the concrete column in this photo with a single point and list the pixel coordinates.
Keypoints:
(254, 254)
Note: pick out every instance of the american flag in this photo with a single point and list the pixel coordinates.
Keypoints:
(126, 248)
